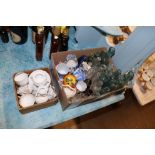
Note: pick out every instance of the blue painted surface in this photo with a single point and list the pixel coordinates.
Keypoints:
(133, 52)
(14, 58)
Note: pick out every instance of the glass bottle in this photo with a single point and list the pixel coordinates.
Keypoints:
(64, 39)
(34, 31)
(40, 41)
(4, 34)
(55, 39)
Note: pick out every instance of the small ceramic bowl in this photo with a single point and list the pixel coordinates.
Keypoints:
(81, 86)
(62, 68)
(24, 90)
(21, 79)
(51, 93)
(42, 90)
(71, 63)
(27, 100)
(41, 99)
(69, 91)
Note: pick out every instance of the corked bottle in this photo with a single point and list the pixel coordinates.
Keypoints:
(64, 39)
(40, 42)
(4, 34)
(34, 31)
(55, 39)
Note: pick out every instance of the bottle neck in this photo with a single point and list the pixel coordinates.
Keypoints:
(56, 31)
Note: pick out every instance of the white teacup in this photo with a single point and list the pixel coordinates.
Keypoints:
(43, 89)
(71, 65)
(69, 91)
(41, 99)
(62, 68)
(51, 93)
(26, 100)
(24, 90)
(39, 77)
(21, 79)
(81, 86)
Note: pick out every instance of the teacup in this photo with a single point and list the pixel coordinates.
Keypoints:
(62, 68)
(24, 90)
(69, 91)
(51, 93)
(71, 65)
(21, 79)
(71, 57)
(41, 99)
(39, 77)
(43, 90)
(26, 100)
(81, 86)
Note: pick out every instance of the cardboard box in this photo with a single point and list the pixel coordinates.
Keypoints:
(35, 106)
(61, 57)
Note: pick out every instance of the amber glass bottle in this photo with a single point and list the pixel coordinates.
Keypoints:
(55, 39)
(40, 41)
(64, 39)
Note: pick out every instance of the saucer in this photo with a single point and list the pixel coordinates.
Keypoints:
(39, 77)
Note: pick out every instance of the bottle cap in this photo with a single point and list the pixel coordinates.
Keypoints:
(40, 29)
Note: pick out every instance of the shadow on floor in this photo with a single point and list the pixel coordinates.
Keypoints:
(127, 114)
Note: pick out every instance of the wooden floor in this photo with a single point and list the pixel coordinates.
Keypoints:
(127, 114)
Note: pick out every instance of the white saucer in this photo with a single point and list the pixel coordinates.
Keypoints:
(39, 77)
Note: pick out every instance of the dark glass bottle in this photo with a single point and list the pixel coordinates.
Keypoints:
(34, 31)
(40, 42)
(4, 34)
(47, 30)
(64, 39)
(55, 40)
(19, 34)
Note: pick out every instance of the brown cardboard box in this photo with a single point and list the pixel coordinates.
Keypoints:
(35, 106)
(61, 57)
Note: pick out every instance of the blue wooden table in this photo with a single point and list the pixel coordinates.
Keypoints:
(14, 58)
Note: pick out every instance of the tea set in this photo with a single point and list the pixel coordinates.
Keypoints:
(72, 74)
(91, 76)
(34, 88)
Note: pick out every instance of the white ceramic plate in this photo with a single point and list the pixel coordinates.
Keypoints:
(39, 76)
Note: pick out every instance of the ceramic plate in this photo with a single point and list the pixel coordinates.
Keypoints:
(39, 74)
